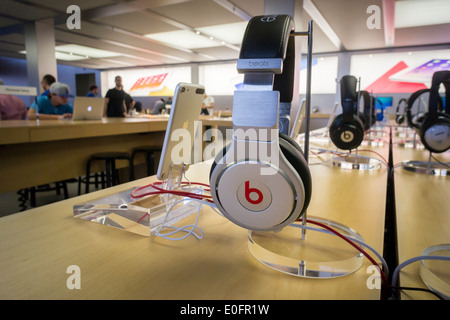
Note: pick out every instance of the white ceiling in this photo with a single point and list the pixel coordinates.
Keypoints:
(121, 26)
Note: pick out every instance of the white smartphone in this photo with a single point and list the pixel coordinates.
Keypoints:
(181, 130)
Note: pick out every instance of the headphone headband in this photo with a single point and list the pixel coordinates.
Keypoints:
(438, 78)
(397, 111)
(367, 97)
(349, 96)
(413, 97)
(447, 96)
(267, 58)
(268, 47)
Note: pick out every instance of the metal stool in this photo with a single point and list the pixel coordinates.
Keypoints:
(88, 180)
(149, 152)
(47, 187)
(110, 166)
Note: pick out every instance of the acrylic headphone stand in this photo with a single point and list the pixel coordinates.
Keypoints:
(298, 249)
(426, 167)
(407, 143)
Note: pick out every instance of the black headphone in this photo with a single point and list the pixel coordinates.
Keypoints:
(368, 118)
(249, 197)
(416, 121)
(400, 117)
(435, 130)
(347, 130)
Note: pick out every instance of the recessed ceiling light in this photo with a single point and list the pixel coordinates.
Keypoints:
(63, 56)
(85, 51)
(184, 39)
(416, 13)
(230, 32)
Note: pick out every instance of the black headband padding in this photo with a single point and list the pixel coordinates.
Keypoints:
(284, 82)
(349, 96)
(438, 78)
(366, 97)
(268, 37)
(447, 96)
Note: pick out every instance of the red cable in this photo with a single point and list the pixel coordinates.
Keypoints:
(207, 198)
(350, 242)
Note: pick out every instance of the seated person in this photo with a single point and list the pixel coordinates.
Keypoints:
(53, 106)
(93, 91)
(159, 106)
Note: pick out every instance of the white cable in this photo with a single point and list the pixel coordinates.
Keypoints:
(412, 260)
(185, 228)
(364, 244)
(340, 153)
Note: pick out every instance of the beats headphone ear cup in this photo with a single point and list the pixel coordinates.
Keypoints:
(217, 159)
(294, 155)
(355, 131)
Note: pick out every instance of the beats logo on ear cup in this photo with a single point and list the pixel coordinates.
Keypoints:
(256, 197)
(347, 136)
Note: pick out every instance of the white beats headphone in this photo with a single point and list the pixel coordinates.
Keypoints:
(261, 181)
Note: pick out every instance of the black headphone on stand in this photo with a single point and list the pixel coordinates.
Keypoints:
(435, 129)
(347, 130)
(400, 117)
(415, 121)
(368, 118)
(241, 191)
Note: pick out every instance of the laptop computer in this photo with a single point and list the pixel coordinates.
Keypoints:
(88, 108)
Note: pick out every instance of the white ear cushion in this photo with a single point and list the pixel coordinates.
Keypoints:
(279, 193)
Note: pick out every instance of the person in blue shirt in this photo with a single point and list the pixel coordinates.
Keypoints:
(53, 106)
(46, 82)
(93, 91)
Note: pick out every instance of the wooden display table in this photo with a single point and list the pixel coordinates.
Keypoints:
(38, 246)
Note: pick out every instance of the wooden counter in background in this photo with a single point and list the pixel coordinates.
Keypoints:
(37, 247)
(38, 152)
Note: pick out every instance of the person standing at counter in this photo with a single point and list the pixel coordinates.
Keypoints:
(115, 100)
(208, 103)
(53, 106)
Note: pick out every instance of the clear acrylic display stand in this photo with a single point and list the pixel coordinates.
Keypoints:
(314, 255)
(144, 215)
(435, 273)
(426, 167)
(356, 162)
(311, 255)
(371, 141)
(413, 143)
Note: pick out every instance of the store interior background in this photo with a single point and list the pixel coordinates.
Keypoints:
(134, 33)
(133, 37)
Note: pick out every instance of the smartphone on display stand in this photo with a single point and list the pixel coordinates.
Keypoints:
(181, 128)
